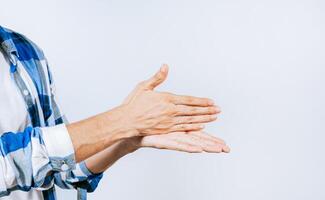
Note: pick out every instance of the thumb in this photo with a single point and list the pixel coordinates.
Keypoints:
(158, 78)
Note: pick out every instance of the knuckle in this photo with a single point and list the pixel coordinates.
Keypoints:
(174, 122)
(169, 97)
(190, 119)
(189, 100)
(166, 96)
(205, 102)
(182, 126)
(176, 109)
(194, 109)
(159, 77)
(211, 110)
(170, 122)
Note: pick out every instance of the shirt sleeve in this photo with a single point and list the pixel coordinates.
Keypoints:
(29, 159)
(80, 178)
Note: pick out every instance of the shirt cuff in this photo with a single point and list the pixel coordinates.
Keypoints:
(59, 147)
(85, 169)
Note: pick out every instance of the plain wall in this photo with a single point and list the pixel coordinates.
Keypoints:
(262, 61)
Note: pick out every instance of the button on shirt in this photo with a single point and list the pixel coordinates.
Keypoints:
(13, 112)
(36, 152)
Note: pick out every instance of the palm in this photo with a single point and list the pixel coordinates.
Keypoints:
(192, 142)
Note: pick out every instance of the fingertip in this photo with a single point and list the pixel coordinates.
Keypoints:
(214, 117)
(164, 68)
(226, 149)
(216, 109)
(211, 102)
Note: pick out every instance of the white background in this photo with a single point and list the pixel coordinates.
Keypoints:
(262, 61)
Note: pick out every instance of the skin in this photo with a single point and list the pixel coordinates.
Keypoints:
(146, 118)
(190, 142)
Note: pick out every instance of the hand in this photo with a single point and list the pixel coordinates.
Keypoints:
(152, 112)
(191, 142)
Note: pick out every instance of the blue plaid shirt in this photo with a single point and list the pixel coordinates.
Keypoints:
(29, 154)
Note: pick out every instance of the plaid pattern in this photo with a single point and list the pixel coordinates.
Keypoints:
(18, 150)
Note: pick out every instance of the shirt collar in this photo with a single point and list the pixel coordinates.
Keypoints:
(9, 47)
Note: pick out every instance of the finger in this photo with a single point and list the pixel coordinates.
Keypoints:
(195, 119)
(134, 92)
(184, 147)
(226, 149)
(202, 134)
(203, 140)
(186, 127)
(208, 137)
(182, 110)
(186, 138)
(149, 84)
(157, 79)
(213, 148)
(168, 142)
(190, 100)
(207, 145)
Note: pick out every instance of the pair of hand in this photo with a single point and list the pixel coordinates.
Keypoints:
(169, 121)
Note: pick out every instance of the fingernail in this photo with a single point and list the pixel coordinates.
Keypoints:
(227, 149)
(163, 68)
(213, 117)
(211, 102)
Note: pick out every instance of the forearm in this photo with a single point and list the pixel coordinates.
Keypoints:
(192, 142)
(96, 133)
(103, 160)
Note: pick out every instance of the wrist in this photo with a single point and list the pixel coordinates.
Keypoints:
(117, 126)
(134, 143)
(130, 145)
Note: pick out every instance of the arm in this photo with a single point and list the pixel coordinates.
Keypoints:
(39, 162)
(145, 112)
(87, 173)
(191, 142)
(106, 158)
